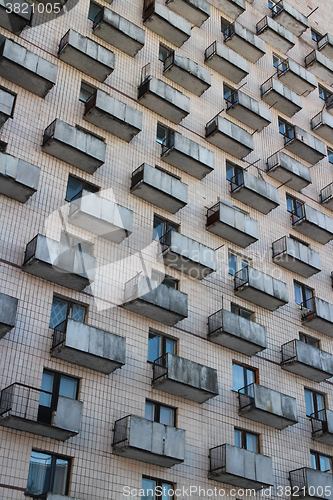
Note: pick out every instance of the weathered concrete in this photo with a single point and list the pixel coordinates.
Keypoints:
(322, 125)
(7, 104)
(247, 110)
(74, 146)
(68, 414)
(8, 308)
(58, 263)
(298, 258)
(232, 8)
(237, 333)
(325, 46)
(187, 73)
(149, 442)
(281, 97)
(26, 69)
(321, 319)
(290, 18)
(275, 35)
(288, 171)
(322, 431)
(229, 137)
(314, 482)
(256, 193)
(226, 62)
(18, 178)
(314, 224)
(307, 361)
(195, 11)
(159, 188)
(306, 146)
(15, 22)
(163, 99)
(113, 116)
(320, 66)
(86, 55)
(167, 24)
(296, 77)
(188, 156)
(245, 43)
(232, 224)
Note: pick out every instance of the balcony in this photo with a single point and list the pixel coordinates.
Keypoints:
(244, 42)
(306, 361)
(232, 224)
(290, 18)
(187, 73)
(161, 98)
(26, 69)
(159, 188)
(102, 217)
(195, 11)
(237, 333)
(89, 347)
(16, 21)
(322, 125)
(18, 178)
(187, 155)
(260, 289)
(267, 407)
(7, 104)
(239, 467)
(165, 23)
(247, 110)
(305, 145)
(113, 116)
(226, 62)
(325, 46)
(296, 77)
(58, 263)
(86, 55)
(320, 66)
(231, 8)
(310, 483)
(254, 192)
(149, 442)
(288, 171)
(187, 256)
(275, 35)
(296, 257)
(8, 308)
(74, 146)
(313, 224)
(119, 32)
(326, 196)
(184, 378)
(229, 137)
(317, 314)
(19, 410)
(280, 97)
(322, 426)
(155, 301)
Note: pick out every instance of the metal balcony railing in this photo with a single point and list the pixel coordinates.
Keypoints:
(145, 73)
(217, 458)
(298, 215)
(317, 120)
(262, 25)
(326, 193)
(49, 132)
(246, 397)
(168, 142)
(121, 431)
(236, 181)
(64, 41)
(241, 277)
(211, 50)
(308, 307)
(283, 67)
(276, 8)
(232, 100)
(289, 351)
(266, 86)
(21, 400)
(298, 480)
(148, 8)
(99, 17)
(279, 246)
(137, 176)
(213, 214)
(229, 32)
(273, 161)
(30, 249)
(310, 58)
(215, 322)
(319, 422)
(160, 368)
(322, 42)
(169, 61)
(59, 334)
(90, 102)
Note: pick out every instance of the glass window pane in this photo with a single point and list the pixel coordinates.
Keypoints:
(324, 464)
(68, 387)
(58, 312)
(161, 133)
(47, 385)
(308, 295)
(227, 91)
(249, 376)
(232, 264)
(246, 314)
(78, 313)
(149, 411)
(154, 347)
(60, 476)
(230, 171)
(167, 416)
(39, 473)
(282, 127)
(276, 61)
(166, 491)
(148, 485)
(163, 53)
(158, 228)
(252, 442)
(170, 282)
(330, 155)
(94, 9)
(290, 204)
(85, 92)
(237, 377)
(308, 402)
(313, 461)
(298, 294)
(238, 438)
(74, 188)
(320, 401)
(235, 309)
(313, 342)
(170, 346)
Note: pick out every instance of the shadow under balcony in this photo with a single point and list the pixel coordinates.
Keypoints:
(275, 35)
(149, 442)
(325, 46)
(310, 484)
(320, 66)
(288, 171)
(326, 196)
(280, 97)
(229, 137)
(118, 31)
(313, 224)
(296, 257)
(248, 111)
(87, 346)
(322, 125)
(267, 406)
(7, 104)
(289, 17)
(159, 188)
(254, 192)
(260, 289)
(296, 77)
(184, 378)
(232, 224)
(165, 23)
(322, 426)
(239, 467)
(187, 73)
(187, 155)
(237, 333)
(155, 301)
(306, 361)
(226, 62)
(18, 18)
(317, 314)
(19, 410)
(86, 55)
(58, 263)
(18, 178)
(74, 146)
(305, 145)
(244, 42)
(195, 11)
(232, 8)
(8, 308)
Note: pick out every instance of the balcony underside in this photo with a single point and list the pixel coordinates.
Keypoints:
(145, 456)
(305, 152)
(229, 145)
(186, 163)
(322, 72)
(259, 298)
(162, 27)
(15, 22)
(158, 198)
(248, 117)
(295, 265)
(313, 231)
(238, 481)
(153, 311)
(185, 265)
(189, 11)
(306, 371)
(328, 203)
(73, 156)
(275, 40)
(324, 131)
(281, 103)
(324, 438)
(160, 105)
(267, 418)
(185, 79)
(254, 200)
(296, 83)
(38, 428)
(182, 390)
(235, 343)
(290, 23)
(226, 68)
(85, 359)
(56, 275)
(107, 122)
(288, 178)
(319, 324)
(13, 189)
(244, 48)
(232, 234)
(113, 35)
(83, 62)
(231, 8)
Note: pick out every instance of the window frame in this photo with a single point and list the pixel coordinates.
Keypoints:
(239, 309)
(315, 35)
(317, 456)
(83, 83)
(240, 259)
(168, 131)
(159, 483)
(167, 49)
(54, 457)
(85, 184)
(244, 433)
(289, 133)
(330, 155)
(157, 411)
(314, 395)
(163, 339)
(174, 226)
(70, 304)
(303, 288)
(326, 93)
(237, 173)
(306, 339)
(247, 367)
(297, 205)
(98, 5)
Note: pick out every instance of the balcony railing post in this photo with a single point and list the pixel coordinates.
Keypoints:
(160, 367)
(289, 351)
(241, 277)
(246, 397)
(215, 322)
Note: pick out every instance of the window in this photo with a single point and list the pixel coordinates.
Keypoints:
(225, 24)
(320, 462)
(236, 263)
(159, 345)
(86, 91)
(315, 35)
(286, 129)
(234, 174)
(314, 403)
(272, 6)
(162, 133)
(54, 384)
(65, 309)
(3, 146)
(324, 93)
(246, 440)
(75, 188)
(162, 227)
(230, 95)
(163, 53)
(244, 313)
(309, 340)
(47, 473)
(243, 376)
(166, 280)
(294, 206)
(330, 155)
(303, 295)
(94, 9)
(157, 489)
(157, 412)
(279, 63)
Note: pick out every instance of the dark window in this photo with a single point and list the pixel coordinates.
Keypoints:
(47, 473)
(162, 227)
(236, 263)
(86, 91)
(159, 345)
(55, 384)
(315, 35)
(163, 52)
(320, 462)
(152, 488)
(303, 295)
(225, 25)
(330, 155)
(64, 309)
(3, 146)
(294, 206)
(94, 9)
(75, 188)
(309, 340)
(244, 313)
(234, 174)
(243, 376)
(157, 412)
(230, 94)
(314, 403)
(286, 129)
(246, 440)
(162, 133)
(168, 281)
(324, 93)
(279, 63)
